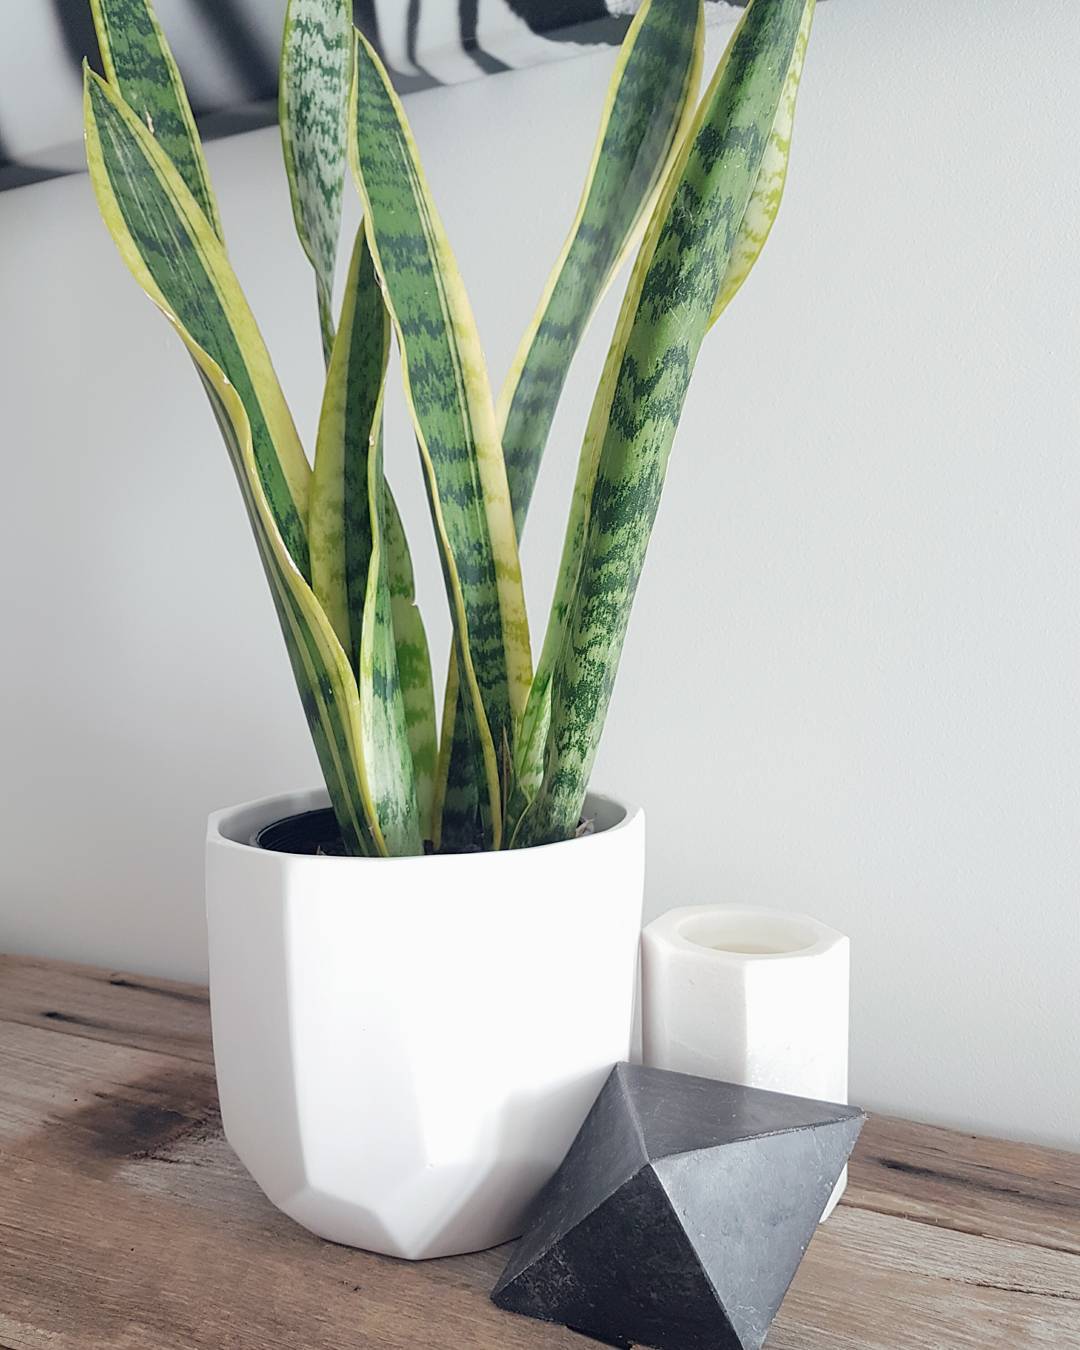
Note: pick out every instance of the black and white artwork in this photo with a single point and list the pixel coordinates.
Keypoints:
(447, 41)
(227, 51)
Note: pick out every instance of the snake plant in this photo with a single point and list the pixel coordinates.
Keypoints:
(687, 188)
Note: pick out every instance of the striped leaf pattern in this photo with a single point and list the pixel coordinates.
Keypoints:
(350, 574)
(167, 244)
(458, 820)
(453, 414)
(316, 75)
(764, 204)
(328, 693)
(339, 522)
(517, 750)
(649, 103)
(413, 663)
(140, 66)
(313, 100)
(180, 262)
(386, 757)
(753, 231)
(673, 291)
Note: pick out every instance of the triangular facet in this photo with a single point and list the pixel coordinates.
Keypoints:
(750, 1208)
(678, 1112)
(681, 1212)
(626, 1274)
(607, 1152)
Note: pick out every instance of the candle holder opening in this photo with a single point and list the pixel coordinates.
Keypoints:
(748, 933)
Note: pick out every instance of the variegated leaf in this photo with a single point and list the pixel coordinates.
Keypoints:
(313, 102)
(316, 74)
(167, 244)
(453, 415)
(179, 261)
(764, 204)
(348, 559)
(666, 313)
(140, 66)
(387, 759)
(328, 691)
(649, 103)
(339, 520)
(414, 663)
(458, 821)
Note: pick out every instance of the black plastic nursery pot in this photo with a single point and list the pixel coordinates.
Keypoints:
(315, 833)
(310, 832)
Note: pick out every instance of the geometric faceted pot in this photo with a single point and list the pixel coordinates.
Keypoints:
(751, 996)
(406, 1047)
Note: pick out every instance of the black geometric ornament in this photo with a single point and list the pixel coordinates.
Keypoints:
(680, 1215)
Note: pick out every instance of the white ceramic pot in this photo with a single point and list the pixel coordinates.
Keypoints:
(406, 1047)
(753, 996)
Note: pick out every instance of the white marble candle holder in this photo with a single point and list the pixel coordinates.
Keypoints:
(752, 996)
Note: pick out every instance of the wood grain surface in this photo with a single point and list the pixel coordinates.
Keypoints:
(126, 1223)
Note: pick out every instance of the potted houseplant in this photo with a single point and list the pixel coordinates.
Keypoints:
(420, 977)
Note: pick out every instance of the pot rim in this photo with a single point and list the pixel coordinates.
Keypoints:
(816, 938)
(246, 818)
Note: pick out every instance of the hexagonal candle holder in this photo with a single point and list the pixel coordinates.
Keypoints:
(751, 996)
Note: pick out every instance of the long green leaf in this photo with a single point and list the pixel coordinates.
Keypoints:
(316, 74)
(177, 259)
(327, 689)
(413, 662)
(349, 568)
(458, 821)
(537, 717)
(764, 204)
(313, 103)
(387, 754)
(340, 524)
(327, 692)
(167, 244)
(649, 103)
(676, 281)
(140, 66)
(453, 415)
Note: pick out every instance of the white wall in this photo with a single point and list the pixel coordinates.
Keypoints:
(850, 685)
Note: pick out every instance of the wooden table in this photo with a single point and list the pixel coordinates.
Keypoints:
(127, 1224)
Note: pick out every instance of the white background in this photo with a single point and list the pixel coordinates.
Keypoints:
(850, 685)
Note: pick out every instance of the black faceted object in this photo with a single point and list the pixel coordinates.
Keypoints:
(680, 1215)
